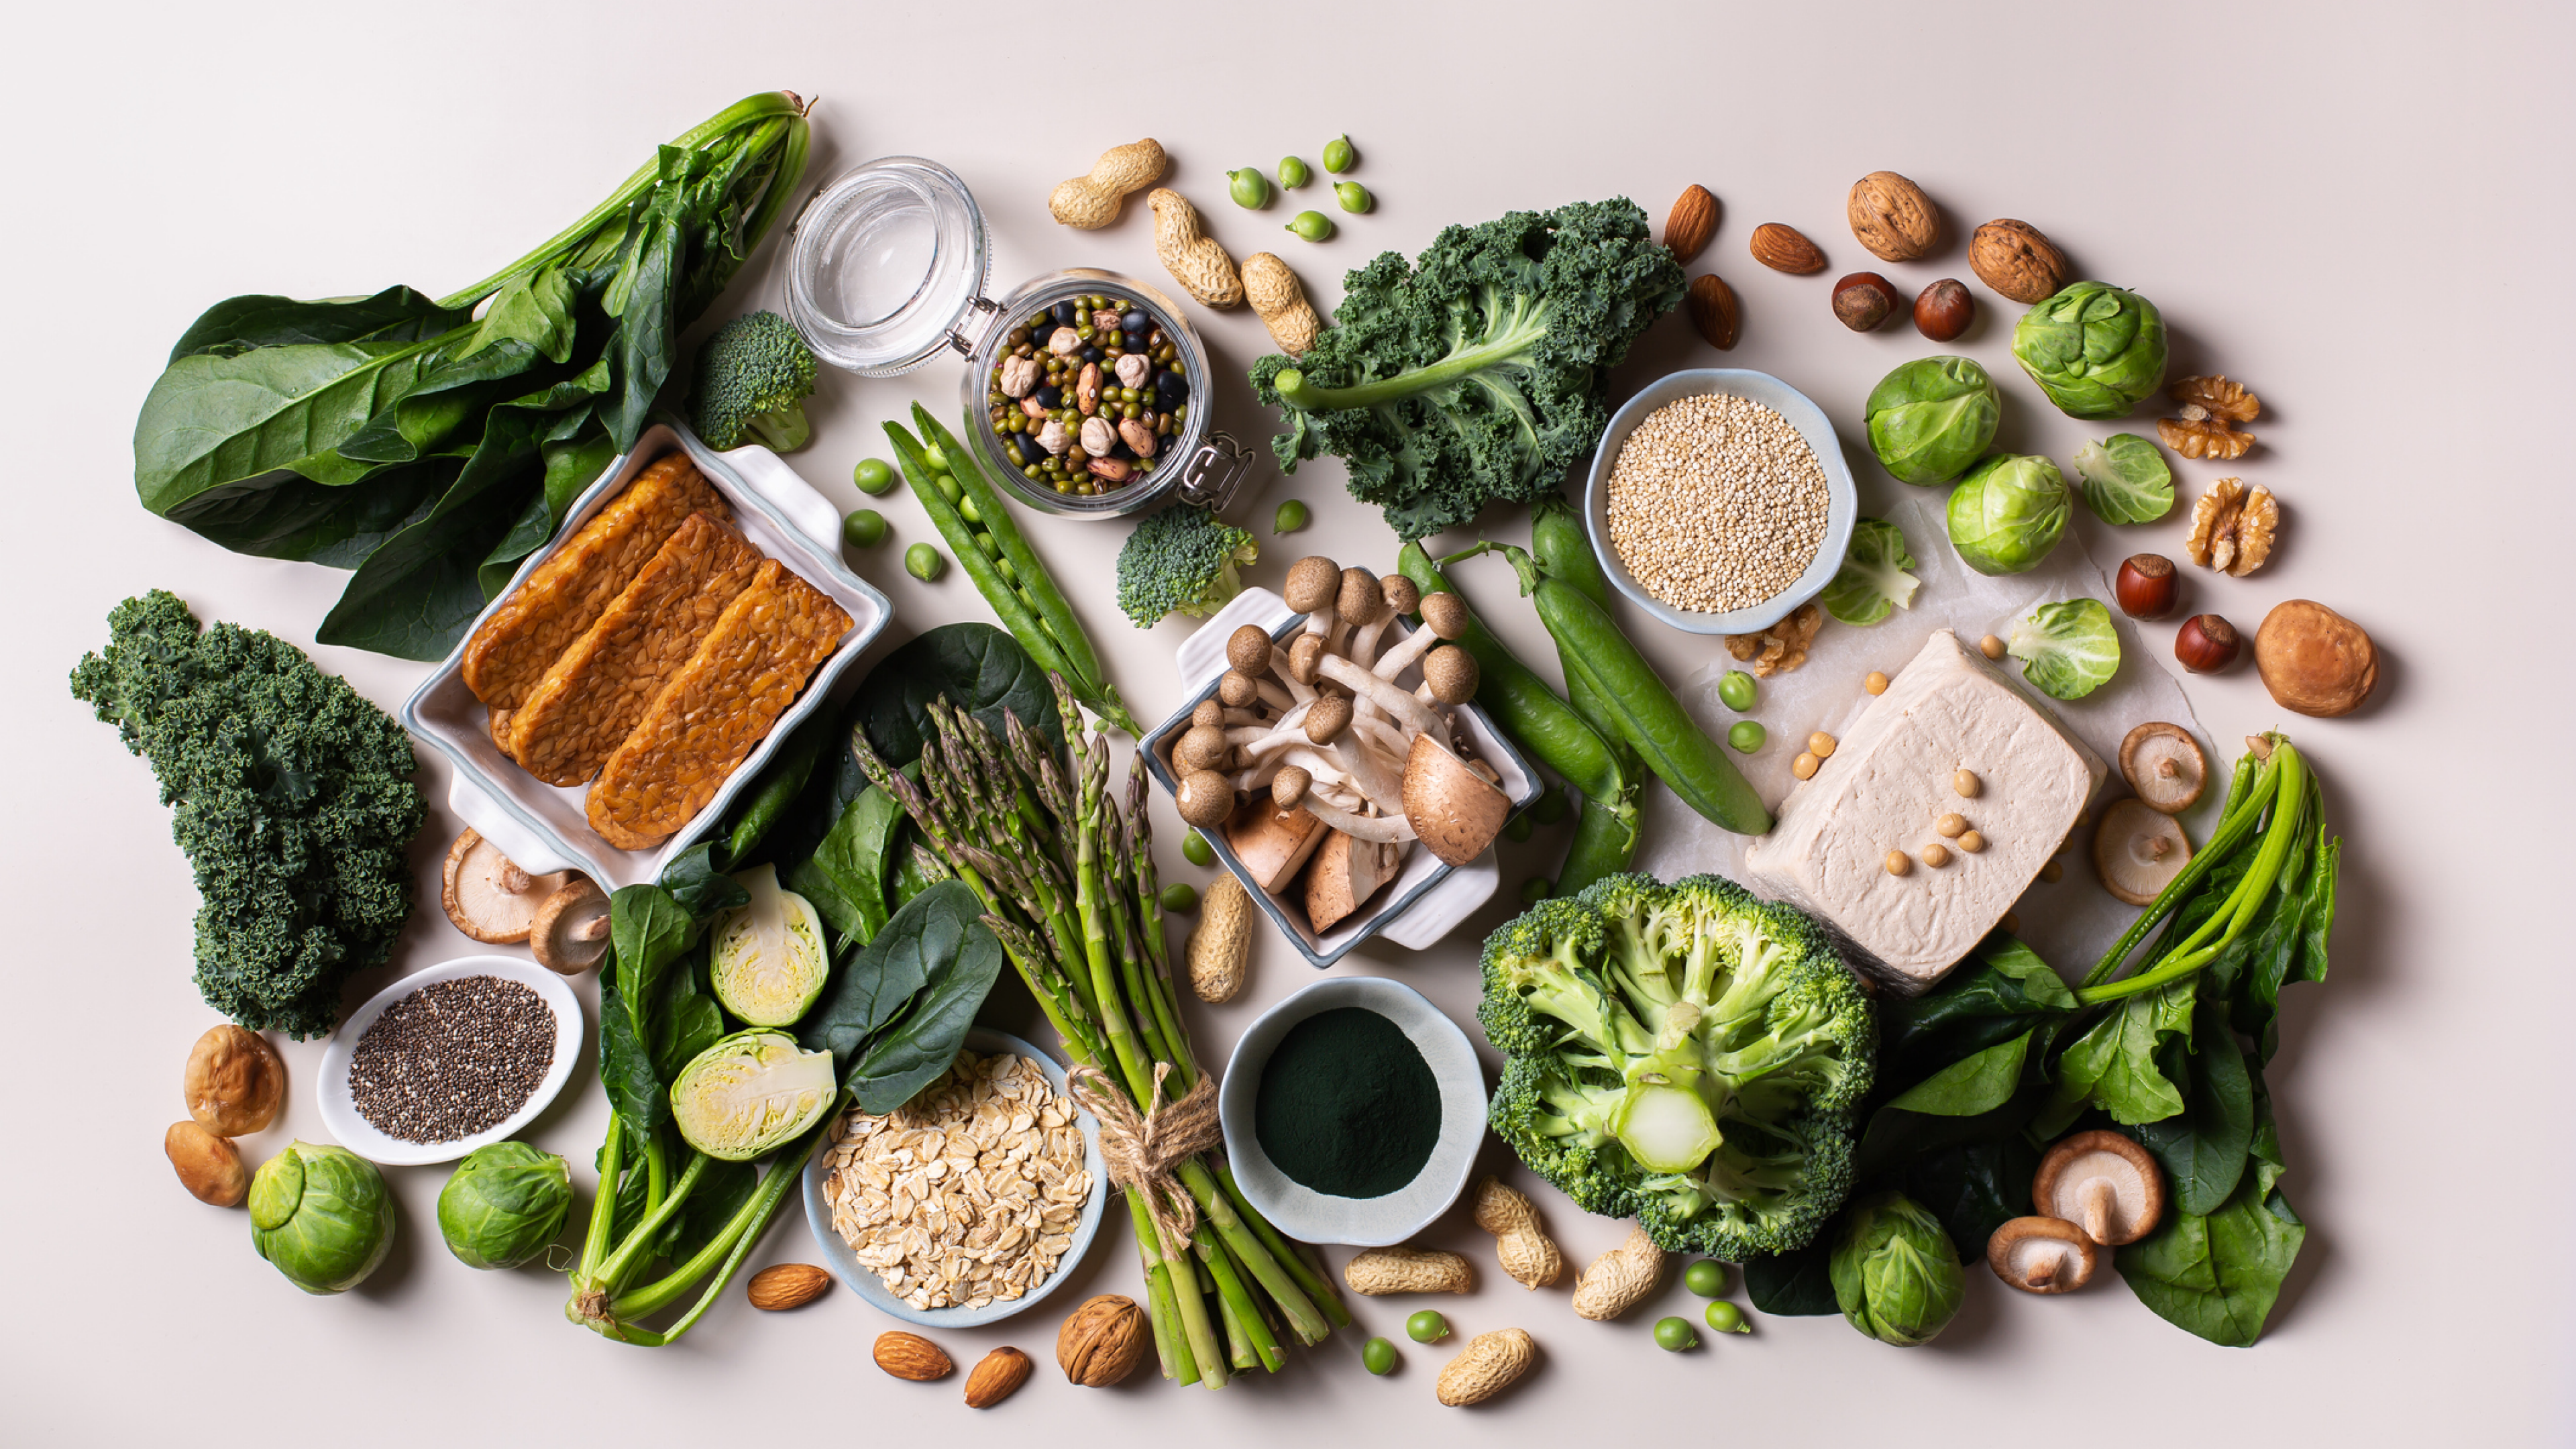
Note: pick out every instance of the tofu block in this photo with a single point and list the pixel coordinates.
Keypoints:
(1888, 782)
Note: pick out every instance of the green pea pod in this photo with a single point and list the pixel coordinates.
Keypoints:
(1605, 841)
(1520, 701)
(1564, 553)
(1017, 617)
(1665, 737)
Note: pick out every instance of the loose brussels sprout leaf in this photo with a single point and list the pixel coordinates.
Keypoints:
(749, 1093)
(1873, 582)
(1929, 419)
(2067, 650)
(2096, 350)
(2008, 513)
(1896, 1273)
(768, 962)
(2125, 479)
(322, 1215)
(504, 1204)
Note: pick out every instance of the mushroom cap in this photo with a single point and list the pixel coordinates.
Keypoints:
(1402, 595)
(1204, 799)
(486, 896)
(2165, 766)
(1288, 788)
(2314, 660)
(1312, 582)
(1200, 747)
(1456, 811)
(1452, 674)
(2103, 1183)
(1361, 600)
(1444, 614)
(2043, 1255)
(1327, 718)
(234, 1081)
(2138, 850)
(1208, 712)
(1304, 656)
(1247, 650)
(570, 933)
(1236, 690)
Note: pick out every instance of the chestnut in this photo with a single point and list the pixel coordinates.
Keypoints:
(1863, 300)
(2206, 644)
(2147, 586)
(1944, 310)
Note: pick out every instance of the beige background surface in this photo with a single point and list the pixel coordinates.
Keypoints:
(2359, 211)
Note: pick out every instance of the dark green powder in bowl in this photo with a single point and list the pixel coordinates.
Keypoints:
(1348, 1107)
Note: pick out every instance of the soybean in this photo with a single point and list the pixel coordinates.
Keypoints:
(865, 528)
(1354, 197)
(873, 475)
(1290, 517)
(1311, 226)
(924, 562)
(1338, 155)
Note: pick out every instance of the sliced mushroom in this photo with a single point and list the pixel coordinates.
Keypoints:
(1345, 873)
(2042, 1255)
(1288, 787)
(487, 897)
(2164, 765)
(1450, 673)
(2139, 850)
(570, 933)
(1272, 843)
(2103, 1183)
(1205, 799)
(1456, 811)
(1329, 716)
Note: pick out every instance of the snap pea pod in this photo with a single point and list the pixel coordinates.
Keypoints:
(1605, 833)
(1014, 613)
(1519, 700)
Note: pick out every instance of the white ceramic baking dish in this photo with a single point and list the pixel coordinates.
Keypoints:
(543, 827)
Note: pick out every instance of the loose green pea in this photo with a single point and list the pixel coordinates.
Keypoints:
(1338, 155)
(1312, 226)
(1549, 807)
(924, 562)
(1293, 173)
(1180, 896)
(1674, 1334)
(873, 475)
(1737, 690)
(1290, 517)
(1196, 850)
(1426, 1327)
(1354, 197)
(937, 460)
(865, 528)
(1725, 1317)
(1517, 829)
(1536, 889)
(1746, 735)
(1707, 1278)
(1251, 189)
(1377, 1354)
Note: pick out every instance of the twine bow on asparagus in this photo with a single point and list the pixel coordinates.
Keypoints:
(1144, 1150)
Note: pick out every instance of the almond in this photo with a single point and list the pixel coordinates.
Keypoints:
(996, 1378)
(2015, 259)
(1713, 310)
(787, 1285)
(1692, 222)
(1785, 249)
(1892, 217)
(910, 1356)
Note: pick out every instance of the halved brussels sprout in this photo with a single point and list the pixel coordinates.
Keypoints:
(2096, 350)
(768, 962)
(2008, 513)
(2068, 650)
(2125, 479)
(322, 1215)
(504, 1204)
(751, 1092)
(1873, 581)
(1929, 419)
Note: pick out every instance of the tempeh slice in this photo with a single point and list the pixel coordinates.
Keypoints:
(747, 671)
(566, 594)
(590, 700)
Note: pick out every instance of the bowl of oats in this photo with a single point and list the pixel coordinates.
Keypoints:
(1719, 500)
(970, 1202)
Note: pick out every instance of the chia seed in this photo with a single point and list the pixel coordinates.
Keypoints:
(452, 1059)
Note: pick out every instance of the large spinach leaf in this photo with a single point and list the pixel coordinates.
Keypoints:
(892, 1017)
(846, 875)
(2203, 1147)
(2219, 1275)
(1799, 1284)
(2113, 1065)
(1999, 993)
(979, 668)
(648, 932)
(1974, 1187)
(1976, 1084)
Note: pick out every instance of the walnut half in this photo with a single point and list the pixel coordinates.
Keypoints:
(2232, 527)
(1781, 647)
(2210, 407)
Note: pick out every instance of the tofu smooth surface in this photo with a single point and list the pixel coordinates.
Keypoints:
(1890, 779)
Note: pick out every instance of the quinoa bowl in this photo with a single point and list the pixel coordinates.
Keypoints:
(1782, 559)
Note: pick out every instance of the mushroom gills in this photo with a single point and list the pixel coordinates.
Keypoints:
(2139, 850)
(2042, 1255)
(2165, 766)
(487, 897)
(2103, 1184)
(1343, 876)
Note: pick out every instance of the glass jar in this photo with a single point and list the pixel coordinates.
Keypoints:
(888, 266)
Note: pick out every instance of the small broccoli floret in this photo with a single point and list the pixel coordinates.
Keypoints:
(753, 376)
(1181, 561)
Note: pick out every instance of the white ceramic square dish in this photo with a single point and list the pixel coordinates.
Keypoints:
(542, 827)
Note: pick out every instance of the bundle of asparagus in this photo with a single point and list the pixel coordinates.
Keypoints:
(1067, 880)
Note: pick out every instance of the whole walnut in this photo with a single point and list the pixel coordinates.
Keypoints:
(1103, 1341)
(235, 1082)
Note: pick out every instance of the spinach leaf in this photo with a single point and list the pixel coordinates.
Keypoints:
(909, 878)
(845, 877)
(239, 324)
(626, 1073)
(978, 667)
(2203, 1147)
(1980, 1083)
(721, 1191)
(701, 875)
(686, 1020)
(648, 930)
(894, 1016)
(1997, 995)
(2218, 1276)
(1799, 1284)
(1974, 1187)
(2113, 1065)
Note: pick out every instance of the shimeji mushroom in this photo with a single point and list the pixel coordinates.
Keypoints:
(487, 897)
(2165, 766)
(570, 932)
(2103, 1183)
(1444, 618)
(2042, 1255)
(2139, 850)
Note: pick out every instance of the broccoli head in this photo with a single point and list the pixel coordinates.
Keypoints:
(1682, 1054)
(1181, 561)
(752, 377)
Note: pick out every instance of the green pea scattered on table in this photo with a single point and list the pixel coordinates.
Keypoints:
(1536, 889)
(1426, 1327)
(1196, 850)
(1290, 517)
(1672, 1335)
(1293, 173)
(1338, 155)
(1707, 1278)
(1737, 690)
(1517, 829)
(1312, 226)
(1377, 1355)
(1746, 735)
(1180, 897)
(1353, 197)
(1249, 188)
(924, 562)
(873, 475)
(1549, 807)
(864, 528)
(1725, 1317)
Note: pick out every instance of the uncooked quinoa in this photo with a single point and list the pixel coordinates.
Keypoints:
(1716, 503)
(452, 1059)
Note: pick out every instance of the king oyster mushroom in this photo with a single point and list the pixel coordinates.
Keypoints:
(2139, 850)
(2101, 1182)
(2165, 766)
(2043, 1255)
(487, 897)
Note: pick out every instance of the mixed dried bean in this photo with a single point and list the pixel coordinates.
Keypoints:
(1088, 396)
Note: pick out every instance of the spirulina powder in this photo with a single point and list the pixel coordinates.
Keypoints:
(1348, 1107)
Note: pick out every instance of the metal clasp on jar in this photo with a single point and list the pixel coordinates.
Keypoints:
(1213, 473)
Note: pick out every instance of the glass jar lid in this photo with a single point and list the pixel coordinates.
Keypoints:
(887, 260)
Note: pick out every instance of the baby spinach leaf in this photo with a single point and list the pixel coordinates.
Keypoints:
(909, 878)
(1976, 1084)
(2203, 1147)
(2114, 1063)
(635, 1090)
(893, 1016)
(686, 1020)
(1996, 995)
(845, 877)
(979, 668)
(2219, 1275)
(1799, 1284)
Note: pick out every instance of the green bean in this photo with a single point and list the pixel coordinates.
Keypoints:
(1605, 834)
(924, 562)
(1338, 155)
(1605, 841)
(1292, 173)
(1023, 623)
(1354, 197)
(864, 528)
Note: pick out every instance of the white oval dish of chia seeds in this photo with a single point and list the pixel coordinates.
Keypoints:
(1842, 499)
(340, 1109)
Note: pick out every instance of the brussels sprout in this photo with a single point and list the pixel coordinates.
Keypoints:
(1928, 420)
(2008, 513)
(2067, 650)
(1873, 582)
(2095, 350)
(768, 962)
(2125, 479)
(750, 1092)
(504, 1204)
(322, 1215)
(1895, 1273)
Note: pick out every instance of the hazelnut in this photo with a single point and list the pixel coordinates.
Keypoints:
(2206, 644)
(1944, 310)
(1863, 300)
(2147, 586)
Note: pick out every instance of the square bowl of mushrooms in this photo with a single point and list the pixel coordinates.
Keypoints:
(1333, 758)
